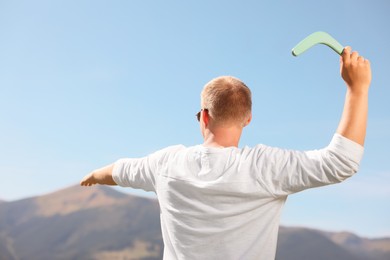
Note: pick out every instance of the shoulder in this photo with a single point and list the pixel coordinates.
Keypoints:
(172, 149)
(257, 149)
(168, 152)
(265, 153)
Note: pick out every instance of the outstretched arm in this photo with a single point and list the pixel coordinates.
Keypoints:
(99, 176)
(356, 72)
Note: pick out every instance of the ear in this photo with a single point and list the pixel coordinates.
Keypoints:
(248, 120)
(205, 117)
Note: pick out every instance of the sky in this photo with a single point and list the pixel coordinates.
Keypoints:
(84, 83)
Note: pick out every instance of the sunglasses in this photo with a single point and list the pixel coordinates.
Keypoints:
(198, 114)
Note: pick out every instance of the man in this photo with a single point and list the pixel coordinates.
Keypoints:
(218, 201)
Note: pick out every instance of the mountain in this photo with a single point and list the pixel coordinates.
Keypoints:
(80, 223)
(366, 248)
(304, 243)
(101, 223)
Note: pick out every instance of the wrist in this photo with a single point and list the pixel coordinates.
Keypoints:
(104, 175)
(358, 90)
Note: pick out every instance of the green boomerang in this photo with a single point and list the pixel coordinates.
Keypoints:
(317, 38)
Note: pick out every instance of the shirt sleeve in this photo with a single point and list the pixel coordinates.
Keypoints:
(283, 172)
(140, 173)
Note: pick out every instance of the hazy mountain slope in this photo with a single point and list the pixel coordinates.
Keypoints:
(301, 243)
(366, 248)
(79, 223)
(6, 249)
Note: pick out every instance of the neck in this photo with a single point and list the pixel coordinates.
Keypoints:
(222, 136)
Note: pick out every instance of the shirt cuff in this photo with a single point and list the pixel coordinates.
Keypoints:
(118, 173)
(347, 147)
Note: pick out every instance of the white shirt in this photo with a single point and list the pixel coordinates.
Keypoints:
(225, 203)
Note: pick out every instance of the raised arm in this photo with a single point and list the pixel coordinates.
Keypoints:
(356, 72)
(99, 176)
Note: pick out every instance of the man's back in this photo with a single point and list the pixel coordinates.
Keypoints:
(214, 208)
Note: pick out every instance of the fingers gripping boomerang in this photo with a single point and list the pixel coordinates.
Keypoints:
(317, 38)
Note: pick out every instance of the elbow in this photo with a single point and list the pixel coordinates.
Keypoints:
(341, 167)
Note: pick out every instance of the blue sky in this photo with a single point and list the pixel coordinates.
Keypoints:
(83, 83)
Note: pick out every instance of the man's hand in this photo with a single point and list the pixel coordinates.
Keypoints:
(99, 176)
(355, 70)
(88, 180)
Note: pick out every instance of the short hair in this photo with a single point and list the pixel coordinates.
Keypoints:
(227, 99)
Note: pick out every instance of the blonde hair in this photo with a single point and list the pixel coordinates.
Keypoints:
(228, 100)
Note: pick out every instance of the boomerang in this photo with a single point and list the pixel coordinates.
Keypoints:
(317, 38)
